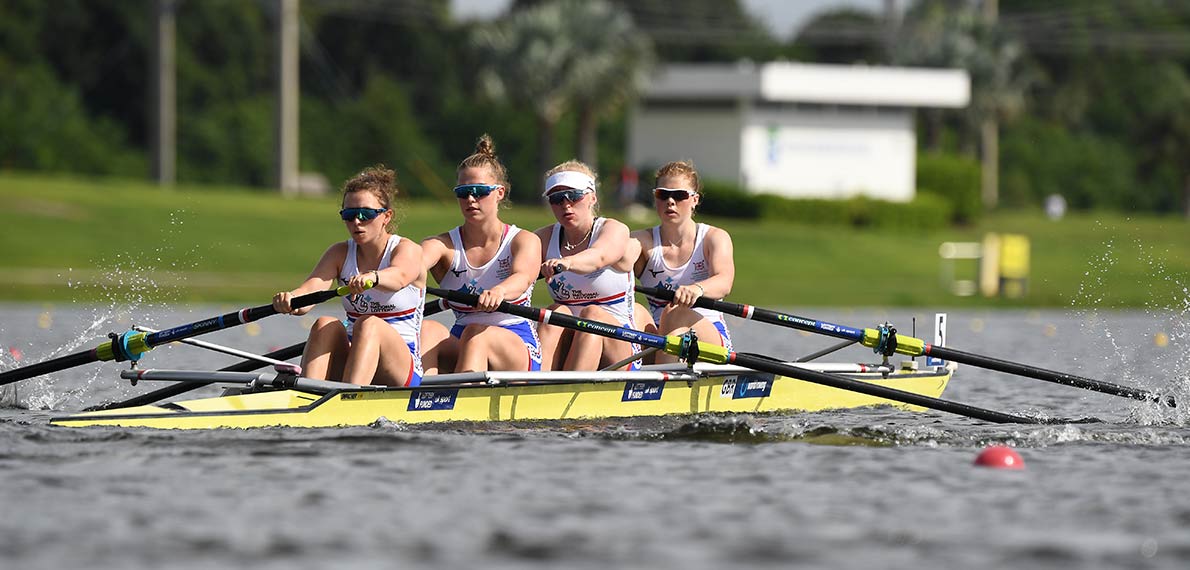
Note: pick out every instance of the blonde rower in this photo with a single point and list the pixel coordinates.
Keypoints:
(587, 263)
(486, 257)
(691, 259)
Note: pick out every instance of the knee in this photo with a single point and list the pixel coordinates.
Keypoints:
(326, 327)
(368, 323)
(470, 332)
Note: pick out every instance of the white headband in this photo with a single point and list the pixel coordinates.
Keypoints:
(569, 179)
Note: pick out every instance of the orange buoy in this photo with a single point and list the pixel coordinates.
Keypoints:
(999, 457)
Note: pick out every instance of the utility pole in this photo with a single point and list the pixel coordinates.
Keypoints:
(989, 130)
(892, 25)
(163, 134)
(287, 96)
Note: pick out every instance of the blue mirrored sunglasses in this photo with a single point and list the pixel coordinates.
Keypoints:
(567, 195)
(476, 190)
(361, 214)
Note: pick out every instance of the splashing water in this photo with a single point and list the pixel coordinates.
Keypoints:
(130, 292)
(1133, 360)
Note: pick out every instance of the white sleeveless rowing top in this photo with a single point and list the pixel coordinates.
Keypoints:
(658, 274)
(402, 309)
(461, 276)
(611, 289)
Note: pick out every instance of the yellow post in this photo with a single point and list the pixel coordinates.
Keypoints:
(989, 266)
(1014, 265)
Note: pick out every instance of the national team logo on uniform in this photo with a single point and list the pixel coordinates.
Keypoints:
(700, 266)
(504, 267)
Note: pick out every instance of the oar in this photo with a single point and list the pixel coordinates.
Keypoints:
(910, 346)
(681, 347)
(432, 307)
(178, 389)
(131, 345)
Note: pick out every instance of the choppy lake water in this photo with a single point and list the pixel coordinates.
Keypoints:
(875, 488)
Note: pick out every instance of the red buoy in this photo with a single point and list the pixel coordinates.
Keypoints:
(999, 457)
(15, 353)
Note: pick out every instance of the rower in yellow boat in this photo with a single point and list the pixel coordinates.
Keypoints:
(378, 341)
(691, 259)
(486, 257)
(587, 264)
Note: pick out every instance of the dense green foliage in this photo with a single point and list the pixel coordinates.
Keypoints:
(1092, 96)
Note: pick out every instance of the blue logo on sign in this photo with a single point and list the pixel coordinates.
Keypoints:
(426, 400)
(640, 391)
(753, 387)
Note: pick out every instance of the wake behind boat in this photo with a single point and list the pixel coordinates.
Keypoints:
(283, 398)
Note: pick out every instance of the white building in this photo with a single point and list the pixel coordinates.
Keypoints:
(799, 130)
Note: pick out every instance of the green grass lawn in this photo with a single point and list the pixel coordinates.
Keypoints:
(95, 239)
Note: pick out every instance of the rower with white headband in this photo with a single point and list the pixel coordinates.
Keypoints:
(587, 263)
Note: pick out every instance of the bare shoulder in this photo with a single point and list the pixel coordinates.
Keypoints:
(544, 232)
(644, 236)
(441, 240)
(718, 235)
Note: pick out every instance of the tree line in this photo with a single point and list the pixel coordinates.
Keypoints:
(1089, 99)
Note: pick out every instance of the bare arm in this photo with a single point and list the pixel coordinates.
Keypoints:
(719, 253)
(404, 267)
(321, 278)
(526, 259)
(606, 250)
(437, 253)
(645, 239)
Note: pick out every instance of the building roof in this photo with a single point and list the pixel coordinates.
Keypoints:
(786, 82)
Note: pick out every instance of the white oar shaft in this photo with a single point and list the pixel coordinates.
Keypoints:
(218, 348)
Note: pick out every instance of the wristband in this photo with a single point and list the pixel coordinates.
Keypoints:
(701, 291)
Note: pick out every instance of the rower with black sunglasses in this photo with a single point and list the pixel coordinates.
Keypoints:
(486, 257)
(691, 259)
(378, 342)
(587, 264)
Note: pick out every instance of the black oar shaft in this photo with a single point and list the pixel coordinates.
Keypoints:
(755, 362)
(52, 365)
(1063, 378)
(143, 342)
(915, 347)
(243, 316)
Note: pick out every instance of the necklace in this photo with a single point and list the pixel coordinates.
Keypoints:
(569, 246)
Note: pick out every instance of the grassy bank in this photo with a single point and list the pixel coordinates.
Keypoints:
(98, 239)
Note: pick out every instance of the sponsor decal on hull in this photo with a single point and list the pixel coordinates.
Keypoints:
(428, 400)
(642, 391)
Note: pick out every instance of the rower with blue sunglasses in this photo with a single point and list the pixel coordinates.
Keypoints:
(587, 263)
(379, 341)
(486, 257)
(691, 259)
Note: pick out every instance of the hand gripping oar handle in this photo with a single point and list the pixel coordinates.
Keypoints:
(911, 346)
(131, 345)
(673, 344)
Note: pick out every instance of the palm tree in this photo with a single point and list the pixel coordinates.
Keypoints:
(946, 34)
(525, 58)
(610, 61)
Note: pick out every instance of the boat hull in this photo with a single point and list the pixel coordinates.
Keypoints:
(733, 393)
